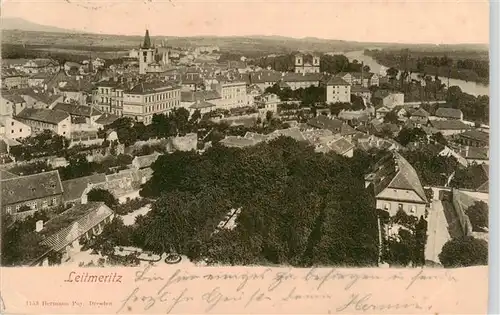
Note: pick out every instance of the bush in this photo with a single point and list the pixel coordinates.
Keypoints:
(464, 252)
(131, 205)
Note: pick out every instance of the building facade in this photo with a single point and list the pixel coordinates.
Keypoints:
(307, 63)
(23, 195)
(146, 99)
(338, 91)
(233, 94)
(46, 119)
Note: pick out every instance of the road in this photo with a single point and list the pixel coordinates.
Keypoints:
(443, 225)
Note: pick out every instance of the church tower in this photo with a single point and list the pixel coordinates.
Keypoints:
(299, 63)
(146, 54)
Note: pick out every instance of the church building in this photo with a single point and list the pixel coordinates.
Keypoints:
(151, 58)
(307, 63)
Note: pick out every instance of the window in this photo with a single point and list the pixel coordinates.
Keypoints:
(387, 206)
(9, 210)
(413, 209)
(54, 201)
(400, 206)
(12, 123)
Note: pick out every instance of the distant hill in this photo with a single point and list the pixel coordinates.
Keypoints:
(24, 25)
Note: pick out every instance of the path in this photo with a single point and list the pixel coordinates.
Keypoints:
(443, 225)
(129, 219)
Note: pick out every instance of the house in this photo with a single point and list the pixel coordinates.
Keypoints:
(335, 143)
(264, 79)
(14, 129)
(253, 91)
(420, 116)
(363, 79)
(449, 127)
(37, 191)
(76, 91)
(192, 82)
(233, 93)
(203, 106)
(80, 114)
(475, 155)
(474, 138)
(11, 104)
(396, 186)
(189, 98)
(338, 91)
(38, 79)
(149, 98)
(302, 80)
(449, 113)
(13, 79)
(108, 95)
(41, 119)
(404, 112)
(39, 99)
(68, 231)
(40, 65)
(362, 92)
(267, 103)
(382, 111)
(74, 188)
(334, 125)
(143, 161)
(393, 99)
(293, 133)
(104, 120)
(447, 151)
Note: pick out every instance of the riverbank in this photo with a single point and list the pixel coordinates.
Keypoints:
(469, 87)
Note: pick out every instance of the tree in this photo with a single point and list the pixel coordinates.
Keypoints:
(407, 135)
(392, 73)
(439, 138)
(99, 194)
(391, 117)
(464, 252)
(366, 68)
(269, 116)
(20, 244)
(478, 215)
(357, 102)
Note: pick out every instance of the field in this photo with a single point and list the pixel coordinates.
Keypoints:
(250, 46)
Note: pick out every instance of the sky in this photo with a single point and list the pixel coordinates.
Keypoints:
(411, 21)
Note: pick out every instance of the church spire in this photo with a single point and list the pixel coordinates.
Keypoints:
(147, 40)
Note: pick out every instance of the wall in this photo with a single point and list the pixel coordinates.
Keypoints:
(460, 208)
(35, 205)
(15, 129)
(394, 206)
(338, 94)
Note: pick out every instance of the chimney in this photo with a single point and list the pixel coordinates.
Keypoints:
(39, 226)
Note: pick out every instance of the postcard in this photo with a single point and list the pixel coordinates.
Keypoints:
(227, 157)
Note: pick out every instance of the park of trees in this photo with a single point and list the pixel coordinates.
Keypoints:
(298, 207)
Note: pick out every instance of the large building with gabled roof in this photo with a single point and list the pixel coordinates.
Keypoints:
(396, 186)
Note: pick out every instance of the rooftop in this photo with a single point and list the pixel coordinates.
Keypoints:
(73, 223)
(30, 187)
(43, 115)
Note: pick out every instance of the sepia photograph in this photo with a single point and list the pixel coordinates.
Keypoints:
(171, 135)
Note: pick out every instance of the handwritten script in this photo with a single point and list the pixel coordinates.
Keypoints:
(333, 290)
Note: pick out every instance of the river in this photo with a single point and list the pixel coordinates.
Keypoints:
(472, 88)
